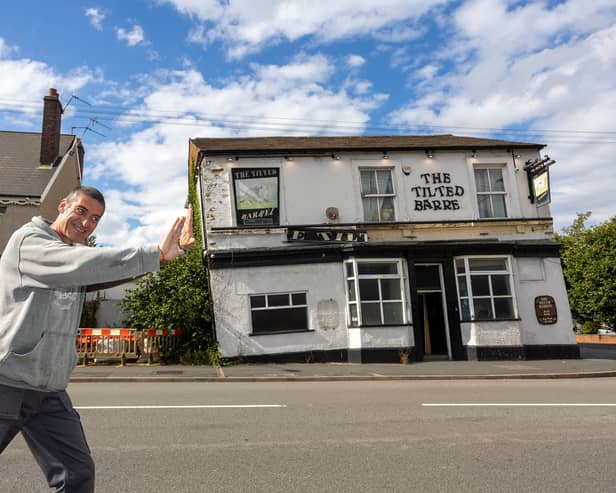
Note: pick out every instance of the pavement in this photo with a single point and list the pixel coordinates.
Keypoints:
(428, 370)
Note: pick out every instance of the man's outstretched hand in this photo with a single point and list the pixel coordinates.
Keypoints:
(187, 239)
(178, 238)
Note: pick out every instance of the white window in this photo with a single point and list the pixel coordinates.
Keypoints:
(490, 192)
(375, 292)
(279, 313)
(485, 288)
(377, 194)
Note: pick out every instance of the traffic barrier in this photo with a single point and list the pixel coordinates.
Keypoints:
(595, 339)
(157, 340)
(124, 344)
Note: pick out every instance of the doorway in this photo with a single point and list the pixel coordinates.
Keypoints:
(432, 311)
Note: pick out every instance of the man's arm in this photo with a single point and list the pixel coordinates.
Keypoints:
(49, 263)
(46, 262)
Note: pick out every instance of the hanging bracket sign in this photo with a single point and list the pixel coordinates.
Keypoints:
(538, 173)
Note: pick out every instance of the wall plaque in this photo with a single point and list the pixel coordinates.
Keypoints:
(545, 309)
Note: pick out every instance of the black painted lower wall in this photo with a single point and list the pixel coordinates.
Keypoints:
(409, 354)
(531, 352)
(376, 355)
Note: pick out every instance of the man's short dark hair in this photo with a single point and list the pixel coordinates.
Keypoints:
(91, 192)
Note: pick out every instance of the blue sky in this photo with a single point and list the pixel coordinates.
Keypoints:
(154, 73)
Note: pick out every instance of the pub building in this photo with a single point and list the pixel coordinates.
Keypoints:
(381, 249)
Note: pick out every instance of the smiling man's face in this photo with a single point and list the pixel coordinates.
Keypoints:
(78, 218)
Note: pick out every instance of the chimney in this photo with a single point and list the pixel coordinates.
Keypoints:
(52, 123)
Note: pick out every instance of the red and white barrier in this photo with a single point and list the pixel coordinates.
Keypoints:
(107, 332)
(112, 343)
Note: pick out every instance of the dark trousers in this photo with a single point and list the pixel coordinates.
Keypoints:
(52, 429)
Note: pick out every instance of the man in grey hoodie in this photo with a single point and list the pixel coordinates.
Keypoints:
(44, 271)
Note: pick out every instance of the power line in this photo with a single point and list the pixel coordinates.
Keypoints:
(154, 114)
(120, 115)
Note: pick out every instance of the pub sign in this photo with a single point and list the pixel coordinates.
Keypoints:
(256, 193)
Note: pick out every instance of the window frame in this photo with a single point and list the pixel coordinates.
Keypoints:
(467, 275)
(378, 196)
(491, 193)
(270, 308)
(357, 302)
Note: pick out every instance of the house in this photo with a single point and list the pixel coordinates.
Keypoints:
(376, 248)
(37, 170)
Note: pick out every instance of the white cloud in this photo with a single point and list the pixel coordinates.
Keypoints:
(427, 72)
(133, 37)
(400, 58)
(246, 26)
(362, 87)
(151, 167)
(6, 50)
(96, 16)
(355, 61)
(151, 163)
(549, 67)
(24, 83)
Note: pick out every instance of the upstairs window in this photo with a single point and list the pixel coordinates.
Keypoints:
(377, 194)
(375, 292)
(490, 192)
(485, 288)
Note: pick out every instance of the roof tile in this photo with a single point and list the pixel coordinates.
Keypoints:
(22, 174)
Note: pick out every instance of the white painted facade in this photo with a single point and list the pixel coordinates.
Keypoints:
(437, 220)
(310, 184)
(327, 323)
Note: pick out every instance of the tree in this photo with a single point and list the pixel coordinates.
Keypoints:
(589, 266)
(177, 298)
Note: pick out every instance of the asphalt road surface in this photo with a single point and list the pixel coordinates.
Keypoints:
(422, 436)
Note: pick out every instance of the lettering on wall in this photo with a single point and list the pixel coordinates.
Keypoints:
(437, 193)
(349, 236)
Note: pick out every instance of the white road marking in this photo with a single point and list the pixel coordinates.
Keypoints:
(519, 404)
(198, 406)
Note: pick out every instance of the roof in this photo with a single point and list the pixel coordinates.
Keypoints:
(20, 168)
(262, 145)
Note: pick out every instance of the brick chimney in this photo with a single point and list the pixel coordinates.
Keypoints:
(52, 123)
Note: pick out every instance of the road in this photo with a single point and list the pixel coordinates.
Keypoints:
(463, 436)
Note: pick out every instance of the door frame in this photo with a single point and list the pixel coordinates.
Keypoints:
(443, 302)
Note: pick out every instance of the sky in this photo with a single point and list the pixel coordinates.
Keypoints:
(139, 78)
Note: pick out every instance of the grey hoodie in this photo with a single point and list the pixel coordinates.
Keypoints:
(42, 286)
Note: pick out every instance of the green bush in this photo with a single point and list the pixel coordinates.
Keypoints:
(589, 265)
(177, 298)
(590, 327)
